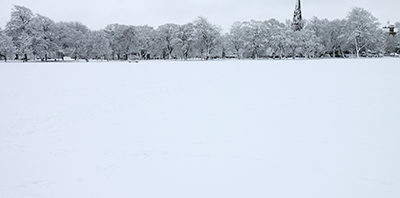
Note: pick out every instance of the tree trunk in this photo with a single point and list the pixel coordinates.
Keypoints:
(357, 48)
(170, 49)
(333, 54)
(293, 53)
(208, 54)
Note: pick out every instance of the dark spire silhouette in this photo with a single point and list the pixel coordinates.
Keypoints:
(297, 18)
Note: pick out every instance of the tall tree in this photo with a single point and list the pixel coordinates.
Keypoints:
(337, 37)
(123, 40)
(64, 39)
(236, 39)
(128, 41)
(185, 39)
(276, 37)
(79, 34)
(321, 34)
(363, 30)
(256, 37)
(208, 36)
(167, 37)
(111, 32)
(43, 37)
(6, 46)
(292, 40)
(397, 37)
(98, 46)
(146, 41)
(18, 29)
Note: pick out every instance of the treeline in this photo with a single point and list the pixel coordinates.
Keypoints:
(29, 36)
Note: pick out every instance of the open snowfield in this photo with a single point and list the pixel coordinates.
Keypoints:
(219, 129)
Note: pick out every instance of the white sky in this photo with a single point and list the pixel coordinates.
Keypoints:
(96, 14)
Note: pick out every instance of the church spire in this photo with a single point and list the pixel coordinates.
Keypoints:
(297, 18)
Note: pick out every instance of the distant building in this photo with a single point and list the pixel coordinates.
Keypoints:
(391, 30)
(297, 18)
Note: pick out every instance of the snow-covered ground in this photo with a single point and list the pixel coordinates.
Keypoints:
(173, 129)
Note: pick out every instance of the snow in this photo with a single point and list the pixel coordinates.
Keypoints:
(284, 129)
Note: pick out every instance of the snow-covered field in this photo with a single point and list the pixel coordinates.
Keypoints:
(218, 129)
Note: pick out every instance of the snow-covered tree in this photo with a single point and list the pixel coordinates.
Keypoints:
(19, 31)
(208, 36)
(6, 46)
(146, 36)
(79, 38)
(167, 39)
(363, 31)
(224, 45)
(123, 40)
(236, 39)
(310, 44)
(336, 40)
(98, 46)
(256, 37)
(112, 33)
(64, 39)
(276, 37)
(129, 41)
(185, 39)
(40, 37)
(391, 43)
(321, 34)
(397, 36)
(43, 39)
(397, 26)
(292, 40)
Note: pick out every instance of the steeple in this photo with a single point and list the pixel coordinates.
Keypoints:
(297, 18)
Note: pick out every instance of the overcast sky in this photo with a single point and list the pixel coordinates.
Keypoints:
(96, 14)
